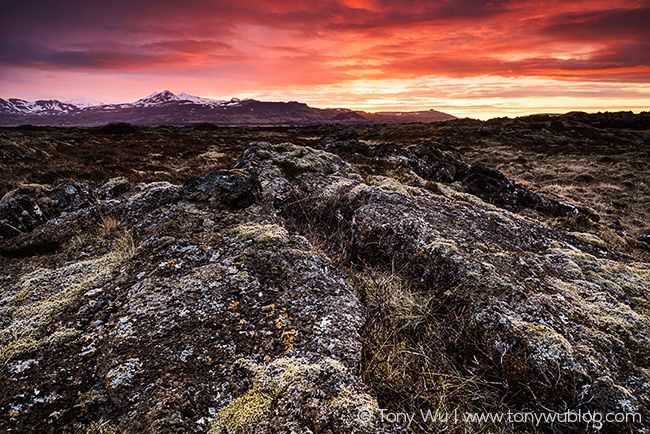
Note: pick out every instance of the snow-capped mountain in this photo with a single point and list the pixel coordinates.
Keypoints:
(166, 108)
(40, 107)
(156, 99)
(198, 100)
(166, 97)
(84, 102)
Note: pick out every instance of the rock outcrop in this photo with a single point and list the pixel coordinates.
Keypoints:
(232, 303)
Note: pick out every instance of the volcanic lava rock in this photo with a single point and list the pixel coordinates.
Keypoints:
(437, 161)
(343, 142)
(153, 337)
(493, 187)
(228, 304)
(23, 209)
(236, 189)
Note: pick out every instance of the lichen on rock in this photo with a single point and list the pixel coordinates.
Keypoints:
(302, 287)
(42, 296)
(283, 386)
(267, 234)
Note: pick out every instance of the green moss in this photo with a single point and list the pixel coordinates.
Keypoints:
(441, 245)
(604, 319)
(265, 234)
(630, 279)
(470, 199)
(292, 160)
(89, 398)
(573, 263)
(390, 170)
(254, 409)
(546, 344)
(290, 170)
(244, 413)
(283, 379)
(593, 233)
(291, 371)
(41, 298)
(634, 278)
(388, 185)
(351, 403)
(501, 217)
(212, 154)
(434, 188)
(641, 303)
(379, 168)
(63, 334)
(118, 185)
(590, 239)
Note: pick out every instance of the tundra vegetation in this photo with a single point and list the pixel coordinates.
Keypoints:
(285, 279)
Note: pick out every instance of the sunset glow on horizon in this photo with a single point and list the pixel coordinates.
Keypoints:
(478, 59)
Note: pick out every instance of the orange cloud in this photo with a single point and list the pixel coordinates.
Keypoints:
(325, 48)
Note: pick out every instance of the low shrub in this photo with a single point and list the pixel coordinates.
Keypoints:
(118, 128)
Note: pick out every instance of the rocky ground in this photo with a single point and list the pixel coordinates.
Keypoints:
(291, 279)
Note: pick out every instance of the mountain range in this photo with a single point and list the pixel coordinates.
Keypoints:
(166, 108)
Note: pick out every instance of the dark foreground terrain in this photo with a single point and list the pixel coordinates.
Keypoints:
(252, 280)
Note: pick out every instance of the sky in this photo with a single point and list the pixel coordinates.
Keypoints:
(469, 58)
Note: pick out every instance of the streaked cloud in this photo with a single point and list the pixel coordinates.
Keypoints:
(583, 53)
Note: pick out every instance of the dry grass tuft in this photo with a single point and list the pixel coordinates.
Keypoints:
(99, 427)
(418, 347)
(109, 234)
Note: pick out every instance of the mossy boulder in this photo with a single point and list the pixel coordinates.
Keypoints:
(299, 289)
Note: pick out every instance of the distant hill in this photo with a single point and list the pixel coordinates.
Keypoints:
(166, 108)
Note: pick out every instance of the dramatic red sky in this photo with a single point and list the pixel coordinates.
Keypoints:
(469, 58)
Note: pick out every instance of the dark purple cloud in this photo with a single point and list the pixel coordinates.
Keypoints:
(250, 44)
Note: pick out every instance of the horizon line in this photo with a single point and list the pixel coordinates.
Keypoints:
(480, 112)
